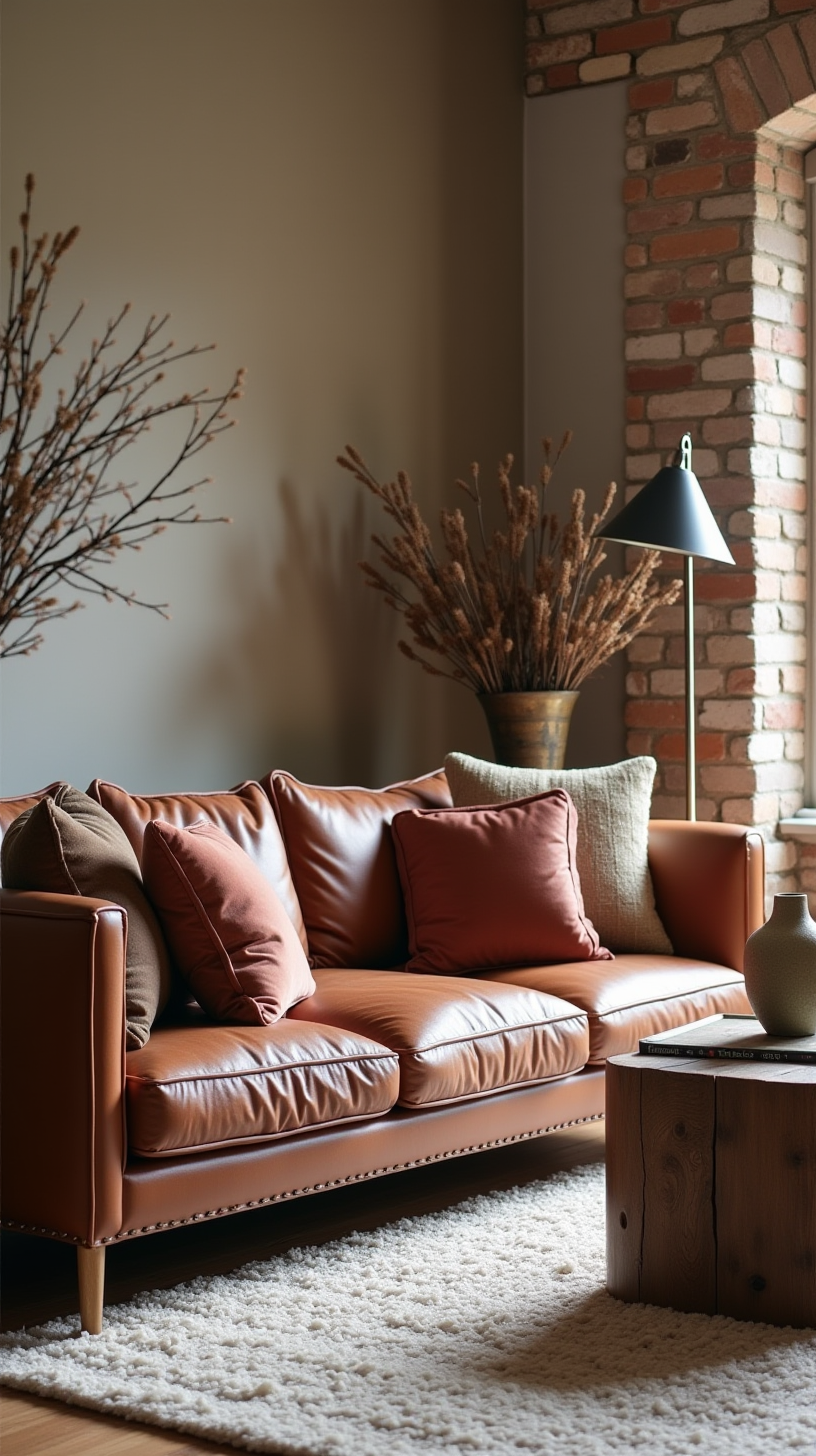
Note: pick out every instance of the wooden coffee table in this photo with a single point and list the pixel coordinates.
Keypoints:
(711, 1186)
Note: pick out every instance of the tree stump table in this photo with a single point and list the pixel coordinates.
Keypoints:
(711, 1186)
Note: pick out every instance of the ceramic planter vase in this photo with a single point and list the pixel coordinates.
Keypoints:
(529, 730)
(780, 969)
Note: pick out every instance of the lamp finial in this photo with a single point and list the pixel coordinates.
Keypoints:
(685, 452)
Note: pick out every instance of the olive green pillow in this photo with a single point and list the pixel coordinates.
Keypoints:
(68, 844)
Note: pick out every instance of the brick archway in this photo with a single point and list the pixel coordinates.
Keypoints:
(722, 106)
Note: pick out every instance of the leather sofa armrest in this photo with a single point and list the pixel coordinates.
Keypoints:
(63, 1064)
(709, 884)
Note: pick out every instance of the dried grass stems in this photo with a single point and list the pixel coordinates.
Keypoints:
(64, 511)
(520, 612)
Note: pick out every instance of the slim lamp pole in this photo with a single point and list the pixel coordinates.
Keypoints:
(691, 724)
(671, 513)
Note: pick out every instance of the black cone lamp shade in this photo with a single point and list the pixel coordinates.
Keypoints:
(671, 513)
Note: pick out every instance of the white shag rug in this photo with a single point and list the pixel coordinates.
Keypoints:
(484, 1329)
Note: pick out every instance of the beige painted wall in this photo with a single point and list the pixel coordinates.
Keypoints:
(333, 193)
(574, 358)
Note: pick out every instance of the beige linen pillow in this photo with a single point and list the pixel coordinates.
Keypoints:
(68, 844)
(613, 805)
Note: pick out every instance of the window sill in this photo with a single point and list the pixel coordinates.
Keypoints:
(800, 827)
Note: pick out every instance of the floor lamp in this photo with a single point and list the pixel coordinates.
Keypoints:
(671, 513)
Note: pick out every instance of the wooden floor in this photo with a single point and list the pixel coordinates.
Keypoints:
(39, 1277)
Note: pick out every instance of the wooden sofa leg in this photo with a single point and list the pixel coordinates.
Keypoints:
(91, 1276)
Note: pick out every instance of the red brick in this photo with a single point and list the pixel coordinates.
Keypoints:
(806, 29)
(635, 189)
(644, 316)
(702, 275)
(655, 713)
(767, 77)
(634, 37)
(649, 7)
(789, 60)
(700, 244)
(686, 311)
(670, 748)
(710, 747)
(741, 335)
(725, 586)
(558, 51)
(660, 283)
(799, 314)
(635, 255)
(716, 144)
(742, 551)
(561, 77)
(689, 181)
(645, 94)
(784, 7)
(729, 492)
(742, 106)
(659, 219)
(635, 409)
(672, 376)
(638, 744)
(750, 174)
(741, 682)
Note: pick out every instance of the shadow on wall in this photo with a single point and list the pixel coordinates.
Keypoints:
(319, 575)
(304, 669)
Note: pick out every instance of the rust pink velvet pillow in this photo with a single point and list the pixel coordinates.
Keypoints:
(228, 932)
(495, 886)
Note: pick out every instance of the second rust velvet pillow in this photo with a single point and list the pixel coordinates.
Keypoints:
(229, 934)
(493, 887)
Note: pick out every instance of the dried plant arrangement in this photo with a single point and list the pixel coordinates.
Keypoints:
(65, 512)
(523, 611)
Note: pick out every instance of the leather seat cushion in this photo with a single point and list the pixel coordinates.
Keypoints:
(244, 813)
(197, 1087)
(456, 1038)
(635, 995)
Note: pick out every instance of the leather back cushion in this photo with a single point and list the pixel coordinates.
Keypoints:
(244, 813)
(12, 808)
(494, 887)
(342, 860)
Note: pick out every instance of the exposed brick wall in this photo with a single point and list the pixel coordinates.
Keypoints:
(722, 105)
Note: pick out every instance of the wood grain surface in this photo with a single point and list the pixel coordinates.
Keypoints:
(713, 1166)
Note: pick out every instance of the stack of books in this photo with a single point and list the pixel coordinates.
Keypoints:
(730, 1036)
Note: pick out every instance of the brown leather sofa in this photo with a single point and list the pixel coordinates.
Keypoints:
(377, 1071)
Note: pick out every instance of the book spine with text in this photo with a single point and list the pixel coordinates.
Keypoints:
(738, 1054)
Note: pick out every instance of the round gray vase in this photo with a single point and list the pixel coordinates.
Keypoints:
(780, 969)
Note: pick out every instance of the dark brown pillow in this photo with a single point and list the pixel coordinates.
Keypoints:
(68, 844)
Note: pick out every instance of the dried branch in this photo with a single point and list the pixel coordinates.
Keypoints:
(65, 512)
(527, 611)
